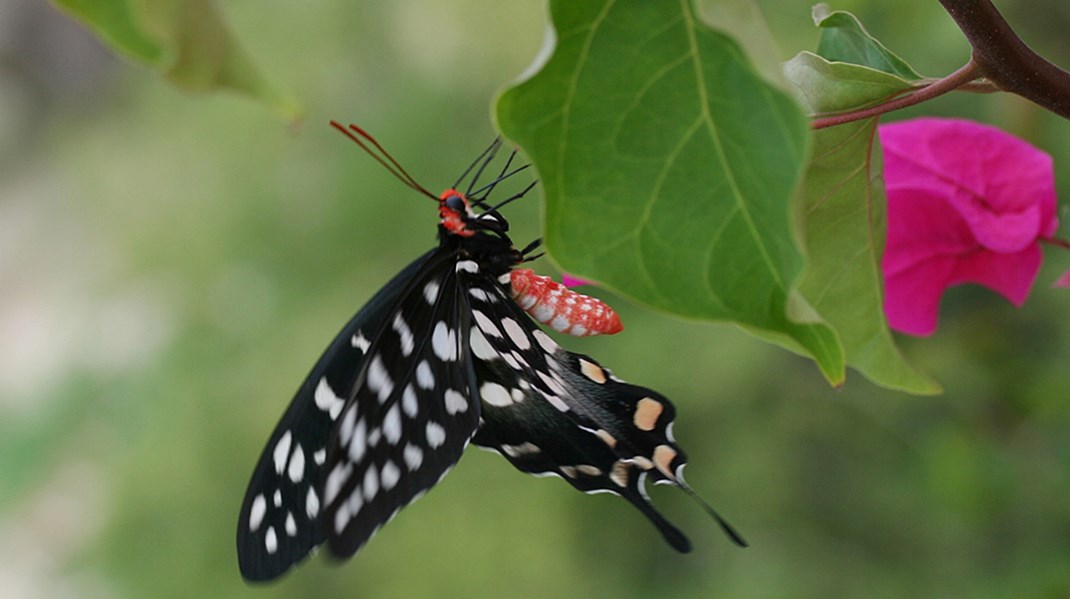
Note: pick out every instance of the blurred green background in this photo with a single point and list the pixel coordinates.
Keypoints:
(172, 264)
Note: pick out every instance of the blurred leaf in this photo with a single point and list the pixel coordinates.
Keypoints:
(744, 22)
(669, 167)
(844, 39)
(186, 41)
(845, 220)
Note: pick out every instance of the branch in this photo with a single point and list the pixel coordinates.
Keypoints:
(1005, 59)
(966, 74)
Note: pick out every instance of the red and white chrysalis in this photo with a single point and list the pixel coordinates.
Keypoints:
(564, 310)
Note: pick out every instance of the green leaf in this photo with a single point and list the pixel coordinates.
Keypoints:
(844, 39)
(669, 167)
(186, 41)
(844, 206)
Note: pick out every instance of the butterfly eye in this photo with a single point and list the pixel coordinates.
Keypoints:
(456, 203)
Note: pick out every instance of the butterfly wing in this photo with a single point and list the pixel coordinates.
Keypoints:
(411, 417)
(550, 411)
(286, 512)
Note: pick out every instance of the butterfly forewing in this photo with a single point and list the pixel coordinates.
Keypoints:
(410, 418)
(283, 516)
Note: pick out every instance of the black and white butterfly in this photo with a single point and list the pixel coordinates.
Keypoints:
(440, 357)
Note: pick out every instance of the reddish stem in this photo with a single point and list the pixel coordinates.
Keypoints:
(1061, 243)
(968, 73)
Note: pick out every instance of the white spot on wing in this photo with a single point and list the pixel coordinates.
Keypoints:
(455, 402)
(256, 512)
(345, 429)
(360, 342)
(359, 444)
(467, 266)
(271, 542)
(481, 348)
(424, 377)
(519, 359)
(297, 464)
(320, 456)
(312, 504)
(392, 424)
(408, 402)
(495, 395)
(515, 451)
(405, 335)
(341, 518)
(557, 402)
(436, 435)
(390, 475)
(486, 324)
(327, 400)
(291, 524)
(282, 451)
(379, 380)
(548, 344)
(516, 333)
(335, 480)
(414, 456)
(444, 342)
(552, 383)
(431, 292)
(511, 361)
(371, 483)
(356, 501)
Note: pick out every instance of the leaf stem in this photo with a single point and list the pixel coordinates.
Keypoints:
(966, 74)
(1061, 243)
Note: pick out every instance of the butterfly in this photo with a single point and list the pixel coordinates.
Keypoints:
(444, 355)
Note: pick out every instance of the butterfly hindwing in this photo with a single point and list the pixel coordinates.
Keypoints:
(550, 411)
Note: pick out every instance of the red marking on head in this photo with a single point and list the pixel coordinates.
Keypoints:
(453, 214)
(566, 311)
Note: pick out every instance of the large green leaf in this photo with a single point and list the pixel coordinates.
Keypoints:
(187, 41)
(669, 167)
(844, 207)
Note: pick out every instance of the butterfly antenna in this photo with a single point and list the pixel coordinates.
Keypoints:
(482, 160)
(363, 138)
(725, 526)
(482, 193)
(515, 196)
(491, 185)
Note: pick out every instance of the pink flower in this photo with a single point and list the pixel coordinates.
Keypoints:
(966, 204)
(570, 281)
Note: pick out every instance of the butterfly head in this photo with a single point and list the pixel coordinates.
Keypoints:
(457, 218)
